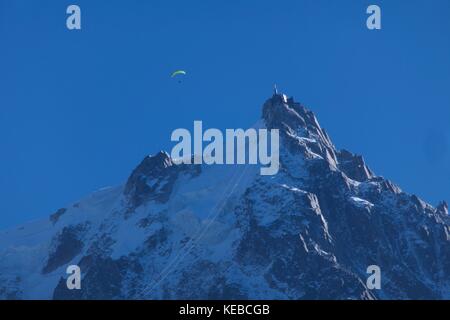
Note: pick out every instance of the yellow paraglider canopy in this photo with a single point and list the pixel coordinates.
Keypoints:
(178, 72)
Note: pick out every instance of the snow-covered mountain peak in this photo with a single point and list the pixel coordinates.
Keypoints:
(303, 135)
(181, 231)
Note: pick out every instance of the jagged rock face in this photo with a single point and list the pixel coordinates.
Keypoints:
(55, 217)
(354, 166)
(225, 232)
(66, 245)
(443, 208)
(154, 178)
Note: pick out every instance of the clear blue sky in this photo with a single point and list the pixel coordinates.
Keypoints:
(80, 109)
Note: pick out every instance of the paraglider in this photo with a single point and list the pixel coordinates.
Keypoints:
(178, 73)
